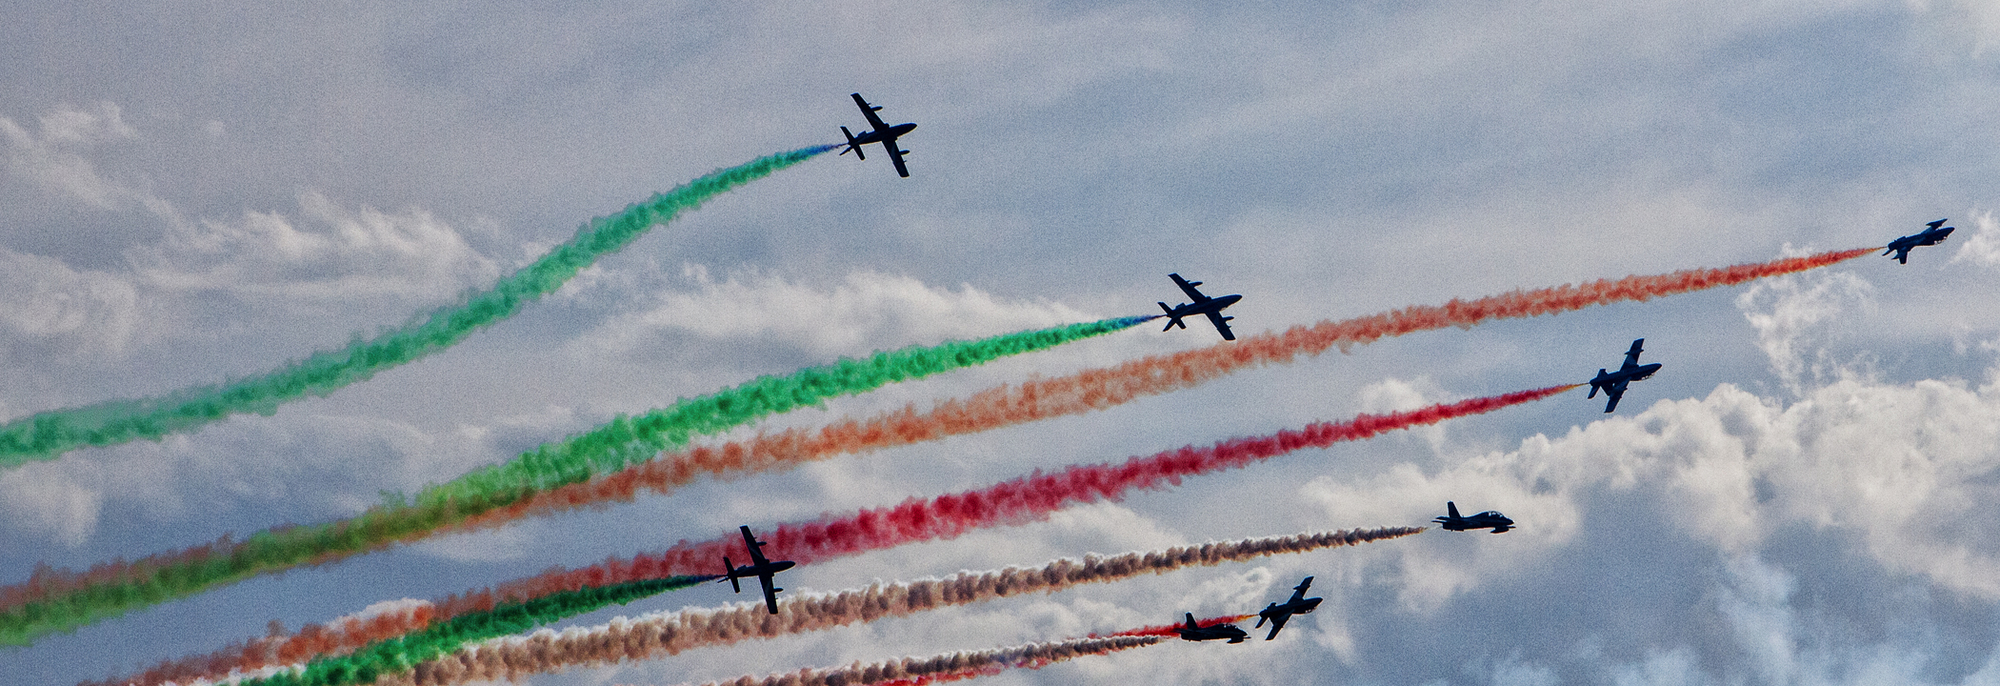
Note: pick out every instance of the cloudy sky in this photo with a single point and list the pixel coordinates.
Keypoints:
(192, 192)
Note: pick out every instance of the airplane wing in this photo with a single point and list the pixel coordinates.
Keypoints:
(770, 594)
(756, 553)
(897, 157)
(868, 111)
(1632, 356)
(1188, 288)
(1277, 623)
(1221, 324)
(1615, 392)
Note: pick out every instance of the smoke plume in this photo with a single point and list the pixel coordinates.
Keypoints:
(1098, 389)
(46, 435)
(59, 600)
(670, 633)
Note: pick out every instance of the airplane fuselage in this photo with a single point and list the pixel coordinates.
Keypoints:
(886, 136)
(1227, 632)
(1605, 379)
(1931, 236)
(1214, 305)
(763, 571)
(1302, 606)
(1499, 523)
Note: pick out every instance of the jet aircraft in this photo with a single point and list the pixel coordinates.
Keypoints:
(1931, 236)
(1202, 305)
(1613, 383)
(883, 133)
(1279, 614)
(1499, 523)
(759, 567)
(1194, 632)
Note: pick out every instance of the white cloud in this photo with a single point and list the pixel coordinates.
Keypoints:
(54, 310)
(46, 502)
(1982, 244)
(1900, 472)
(328, 253)
(1794, 313)
(57, 159)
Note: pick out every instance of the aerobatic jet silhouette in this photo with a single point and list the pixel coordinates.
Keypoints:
(1613, 383)
(1279, 614)
(1931, 236)
(759, 567)
(883, 133)
(1489, 519)
(1202, 305)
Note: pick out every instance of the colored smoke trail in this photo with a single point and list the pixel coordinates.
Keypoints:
(45, 435)
(336, 637)
(1017, 501)
(396, 655)
(656, 635)
(1170, 629)
(1098, 389)
(71, 598)
(949, 666)
(59, 600)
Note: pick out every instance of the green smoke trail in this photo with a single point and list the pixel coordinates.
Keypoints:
(46, 435)
(56, 600)
(400, 654)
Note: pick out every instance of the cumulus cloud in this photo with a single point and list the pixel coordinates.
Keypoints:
(57, 159)
(1792, 316)
(52, 309)
(1901, 472)
(1982, 245)
(294, 467)
(865, 311)
(326, 253)
(1880, 481)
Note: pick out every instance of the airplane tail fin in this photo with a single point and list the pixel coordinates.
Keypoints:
(1451, 507)
(1172, 319)
(729, 570)
(853, 146)
(1190, 621)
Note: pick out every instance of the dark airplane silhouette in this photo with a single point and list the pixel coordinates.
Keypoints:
(1298, 605)
(759, 567)
(1202, 305)
(1489, 519)
(1613, 383)
(883, 133)
(1193, 632)
(1931, 236)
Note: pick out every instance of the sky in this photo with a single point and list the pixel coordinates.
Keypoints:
(194, 192)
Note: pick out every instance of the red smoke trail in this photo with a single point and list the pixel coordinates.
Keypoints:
(1168, 630)
(656, 635)
(1012, 502)
(1096, 389)
(1033, 400)
(949, 677)
(907, 670)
